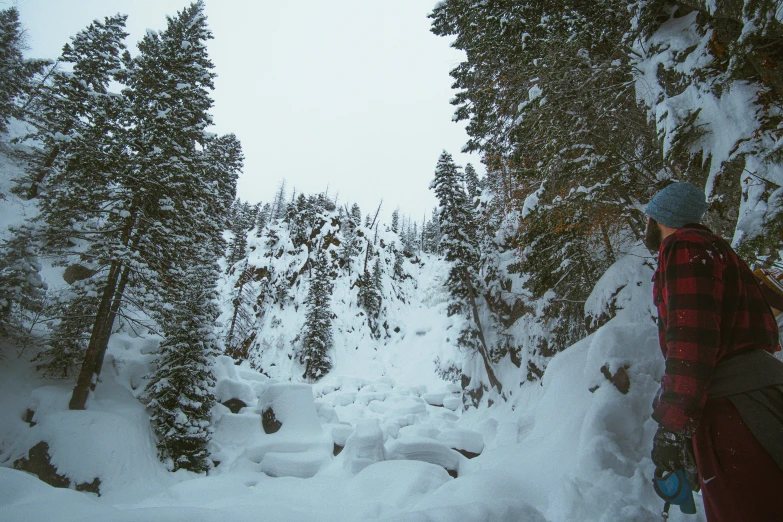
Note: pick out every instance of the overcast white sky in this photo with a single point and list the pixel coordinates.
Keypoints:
(353, 94)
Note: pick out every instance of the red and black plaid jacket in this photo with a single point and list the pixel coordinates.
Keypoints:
(709, 306)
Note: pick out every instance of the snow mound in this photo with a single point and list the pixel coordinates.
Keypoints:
(364, 446)
(229, 385)
(300, 447)
(87, 444)
(425, 450)
(465, 440)
(302, 465)
(24, 497)
(414, 480)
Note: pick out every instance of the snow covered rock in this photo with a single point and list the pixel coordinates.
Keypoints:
(87, 445)
(434, 399)
(300, 447)
(426, 450)
(340, 434)
(452, 403)
(467, 442)
(230, 389)
(364, 446)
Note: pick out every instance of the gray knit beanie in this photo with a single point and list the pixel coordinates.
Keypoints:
(677, 205)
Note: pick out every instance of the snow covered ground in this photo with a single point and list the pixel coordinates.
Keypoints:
(554, 452)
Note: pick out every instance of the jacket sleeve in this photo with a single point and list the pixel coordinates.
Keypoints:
(692, 291)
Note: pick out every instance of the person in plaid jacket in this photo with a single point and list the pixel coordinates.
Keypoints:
(713, 326)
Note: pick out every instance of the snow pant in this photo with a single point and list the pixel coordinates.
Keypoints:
(740, 481)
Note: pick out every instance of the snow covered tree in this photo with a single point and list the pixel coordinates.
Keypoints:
(68, 340)
(395, 224)
(460, 246)
(242, 317)
(21, 288)
(350, 246)
(377, 277)
(76, 100)
(317, 334)
(180, 394)
(399, 271)
(356, 214)
(278, 204)
(166, 201)
(237, 249)
(471, 182)
(432, 234)
(242, 220)
(263, 219)
(369, 299)
(17, 74)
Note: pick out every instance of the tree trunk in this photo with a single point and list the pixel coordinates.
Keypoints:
(40, 174)
(608, 243)
(87, 372)
(237, 303)
(109, 324)
(493, 380)
(104, 318)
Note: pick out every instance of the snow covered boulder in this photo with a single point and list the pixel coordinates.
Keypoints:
(230, 390)
(434, 399)
(364, 446)
(425, 450)
(93, 450)
(469, 443)
(452, 403)
(299, 447)
(340, 434)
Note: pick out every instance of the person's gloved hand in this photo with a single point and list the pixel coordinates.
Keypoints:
(667, 450)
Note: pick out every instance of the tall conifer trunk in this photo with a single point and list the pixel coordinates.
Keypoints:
(93, 353)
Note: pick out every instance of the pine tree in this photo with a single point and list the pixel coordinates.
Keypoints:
(317, 334)
(242, 221)
(263, 219)
(377, 278)
(356, 214)
(471, 182)
(179, 394)
(242, 317)
(68, 340)
(368, 298)
(395, 226)
(432, 234)
(175, 193)
(399, 272)
(16, 73)
(237, 249)
(279, 204)
(349, 248)
(460, 246)
(22, 289)
(74, 102)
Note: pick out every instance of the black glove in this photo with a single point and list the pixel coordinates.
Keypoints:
(667, 450)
